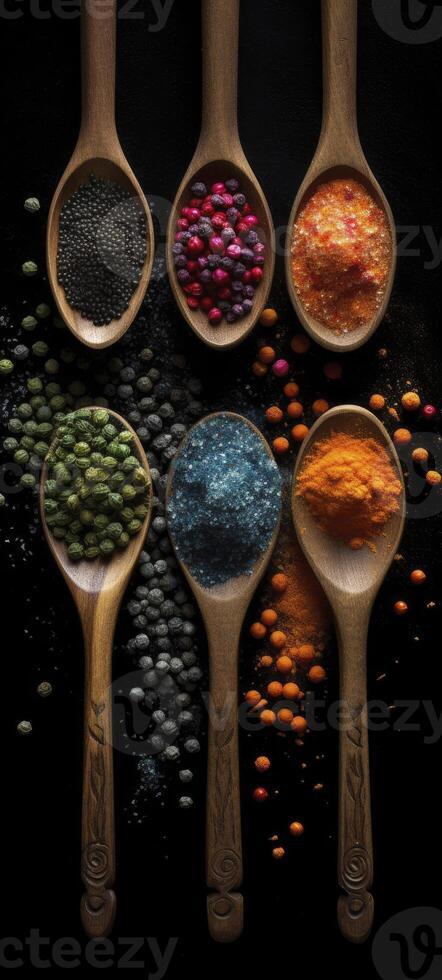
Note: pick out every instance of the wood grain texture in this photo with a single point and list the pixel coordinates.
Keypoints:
(351, 581)
(219, 155)
(97, 588)
(98, 150)
(339, 155)
(223, 608)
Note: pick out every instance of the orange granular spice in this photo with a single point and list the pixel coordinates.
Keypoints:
(350, 486)
(341, 255)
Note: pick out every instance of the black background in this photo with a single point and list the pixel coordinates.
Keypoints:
(290, 909)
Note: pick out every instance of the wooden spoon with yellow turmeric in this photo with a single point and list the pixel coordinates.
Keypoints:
(348, 510)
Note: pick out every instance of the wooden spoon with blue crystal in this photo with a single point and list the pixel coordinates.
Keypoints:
(97, 588)
(223, 512)
(98, 151)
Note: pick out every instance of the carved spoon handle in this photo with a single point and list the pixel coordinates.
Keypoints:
(356, 908)
(224, 849)
(98, 904)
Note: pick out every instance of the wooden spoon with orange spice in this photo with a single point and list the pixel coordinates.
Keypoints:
(351, 577)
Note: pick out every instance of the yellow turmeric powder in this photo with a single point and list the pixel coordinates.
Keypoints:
(350, 486)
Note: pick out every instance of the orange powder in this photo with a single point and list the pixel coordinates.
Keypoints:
(350, 486)
(341, 255)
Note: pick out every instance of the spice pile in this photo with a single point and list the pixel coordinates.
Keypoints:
(96, 491)
(351, 487)
(341, 255)
(225, 500)
(102, 247)
(218, 252)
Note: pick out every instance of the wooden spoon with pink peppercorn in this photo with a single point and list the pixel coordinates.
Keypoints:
(98, 151)
(339, 155)
(218, 157)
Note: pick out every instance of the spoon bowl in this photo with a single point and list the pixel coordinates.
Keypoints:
(351, 580)
(226, 335)
(219, 156)
(98, 151)
(223, 608)
(97, 588)
(339, 154)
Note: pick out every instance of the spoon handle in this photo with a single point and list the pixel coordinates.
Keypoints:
(98, 36)
(355, 861)
(224, 848)
(98, 904)
(220, 28)
(339, 41)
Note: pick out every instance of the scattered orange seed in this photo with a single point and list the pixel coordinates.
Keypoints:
(274, 414)
(279, 582)
(266, 661)
(299, 432)
(269, 317)
(433, 477)
(259, 370)
(266, 355)
(400, 608)
(410, 401)
(284, 665)
(268, 717)
(290, 691)
(300, 344)
(258, 631)
(377, 402)
(319, 407)
(274, 689)
(252, 697)
(278, 639)
(285, 716)
(419, 455)
(402, 437)
(278, 853)
(262, 763)
(291, 389)
(269, 617)
(333, 370)
(299, 725)
(281, 445)
(417, 576)
(296, 829)
(316, 675)
(295, 410)
(356, 543)
(305, 653)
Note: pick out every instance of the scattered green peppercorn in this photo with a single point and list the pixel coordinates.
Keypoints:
(44, 689)
(2, 500)
(43, 311)
(29, 268)
(32, 204)
(40, 349)
(29, 323)
(6, 366)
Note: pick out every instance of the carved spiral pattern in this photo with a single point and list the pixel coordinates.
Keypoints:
(96, 863)
(226, 865)
(356, 869)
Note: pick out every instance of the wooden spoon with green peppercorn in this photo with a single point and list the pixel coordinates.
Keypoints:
(97, 588)
(219, 155)
(339, 155)
(99, 152)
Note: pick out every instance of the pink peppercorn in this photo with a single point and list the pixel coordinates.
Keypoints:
(192, 302)
(220, 277)
(257, 274)
(195, 245)
(429, 412)
(234, 251)
(219, 188)
(216, 244)
(280, 368)
(215, 316)
(251, 220)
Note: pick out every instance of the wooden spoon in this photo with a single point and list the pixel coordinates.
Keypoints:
(223, 608)
(219, 155)
(98, 151)
(97, 588)
(351, 580)
(339, 155)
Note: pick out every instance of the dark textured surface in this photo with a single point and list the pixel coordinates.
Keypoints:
(290, 908)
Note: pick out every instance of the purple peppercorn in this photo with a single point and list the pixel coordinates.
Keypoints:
(247, 256)
(232, 185)
(183, 276)
(239, 269)
(199, 189)
(239, 200)
(177, 248)
(236, 286)
(205, 276)
(227, 264)
(234, 251)
(202, 262)
(213, 261)
(218, 202)
(259, 248)
(230, 316)
(180, 261)
(247, 306)
(227, 234)
(259, 260)
(223, 305)
(251, 239)
(249, 292)
(220, 277)
(238, 309)
(194, 230)
(186, 236)
(232, 214)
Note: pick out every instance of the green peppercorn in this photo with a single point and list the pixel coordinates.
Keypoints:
(10, 444)
(6, 366)
(107, 547)
(43, 311)
(34, 385)
(29, 268)
(40, 349)
(123, 540)
(101, 418)
(41, 449)
(92, 551)
(128, 492)
(28, 480)
(21, 457)
(32, 204)
(15, 426)
(51, 366)
(27, 442)
(2, 500)
(75, 551)
(24, 410)
(133, 527)
(29, 323)
(67, 355)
